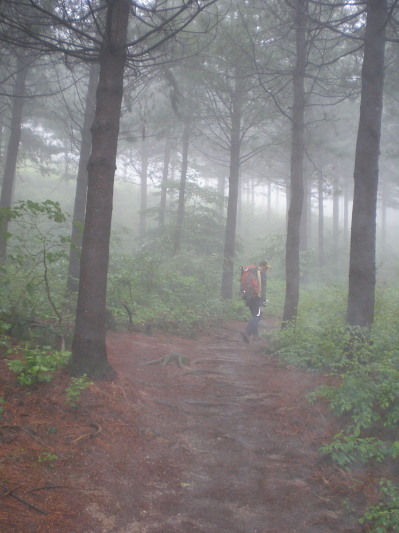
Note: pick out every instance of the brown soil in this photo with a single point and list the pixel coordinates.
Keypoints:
(227, 445)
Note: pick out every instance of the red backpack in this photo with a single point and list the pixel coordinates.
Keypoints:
(249, 287)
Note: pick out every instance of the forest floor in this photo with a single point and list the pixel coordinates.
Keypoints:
(228, 444)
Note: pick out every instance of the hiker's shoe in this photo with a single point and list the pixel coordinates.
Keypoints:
(244, 336)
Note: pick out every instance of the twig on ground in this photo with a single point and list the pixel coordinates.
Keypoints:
(25, 431)
(47, 487)
(11, 493)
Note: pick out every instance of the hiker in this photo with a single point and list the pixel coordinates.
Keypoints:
(256, 303)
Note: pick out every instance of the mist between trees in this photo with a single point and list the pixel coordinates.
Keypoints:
(185, 139)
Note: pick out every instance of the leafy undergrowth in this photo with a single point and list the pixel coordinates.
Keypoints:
(364, 395)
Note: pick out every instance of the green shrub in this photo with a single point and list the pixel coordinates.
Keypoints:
(384, 516)
(366, 394)
(32, 285)
(75, 389)
(37, 365)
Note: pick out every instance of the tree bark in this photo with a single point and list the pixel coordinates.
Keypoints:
(234, 179)
(89, 354)
(296, 184)
(81, 182)
(13, 145)
(361, 294)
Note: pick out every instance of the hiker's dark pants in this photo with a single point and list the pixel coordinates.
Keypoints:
(255, 306)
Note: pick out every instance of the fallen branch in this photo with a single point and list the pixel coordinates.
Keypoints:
(11, 493)
(47, 487)
(25, 431)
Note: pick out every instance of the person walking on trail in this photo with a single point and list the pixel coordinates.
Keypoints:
(256, 302)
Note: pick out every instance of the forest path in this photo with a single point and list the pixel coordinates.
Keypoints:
(228, 445)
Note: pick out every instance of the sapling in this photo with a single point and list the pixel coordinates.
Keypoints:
(75, 389)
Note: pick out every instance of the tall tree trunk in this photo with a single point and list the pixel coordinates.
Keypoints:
(234, 183)
(361, 295)
(165, 173)
(297, 193)
(89, 353)
(81, 182)
(13, 145)
(182, 187)
(143, 191)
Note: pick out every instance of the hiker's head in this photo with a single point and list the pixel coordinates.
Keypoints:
(264, 265)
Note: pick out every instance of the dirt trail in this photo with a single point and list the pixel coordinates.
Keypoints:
(228, 445)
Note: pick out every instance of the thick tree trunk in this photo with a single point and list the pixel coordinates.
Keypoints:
(89, 354)
(182, 187)
(13, 145)
(297, 193)
(361, 295)
(81, 182)
(234, 179)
